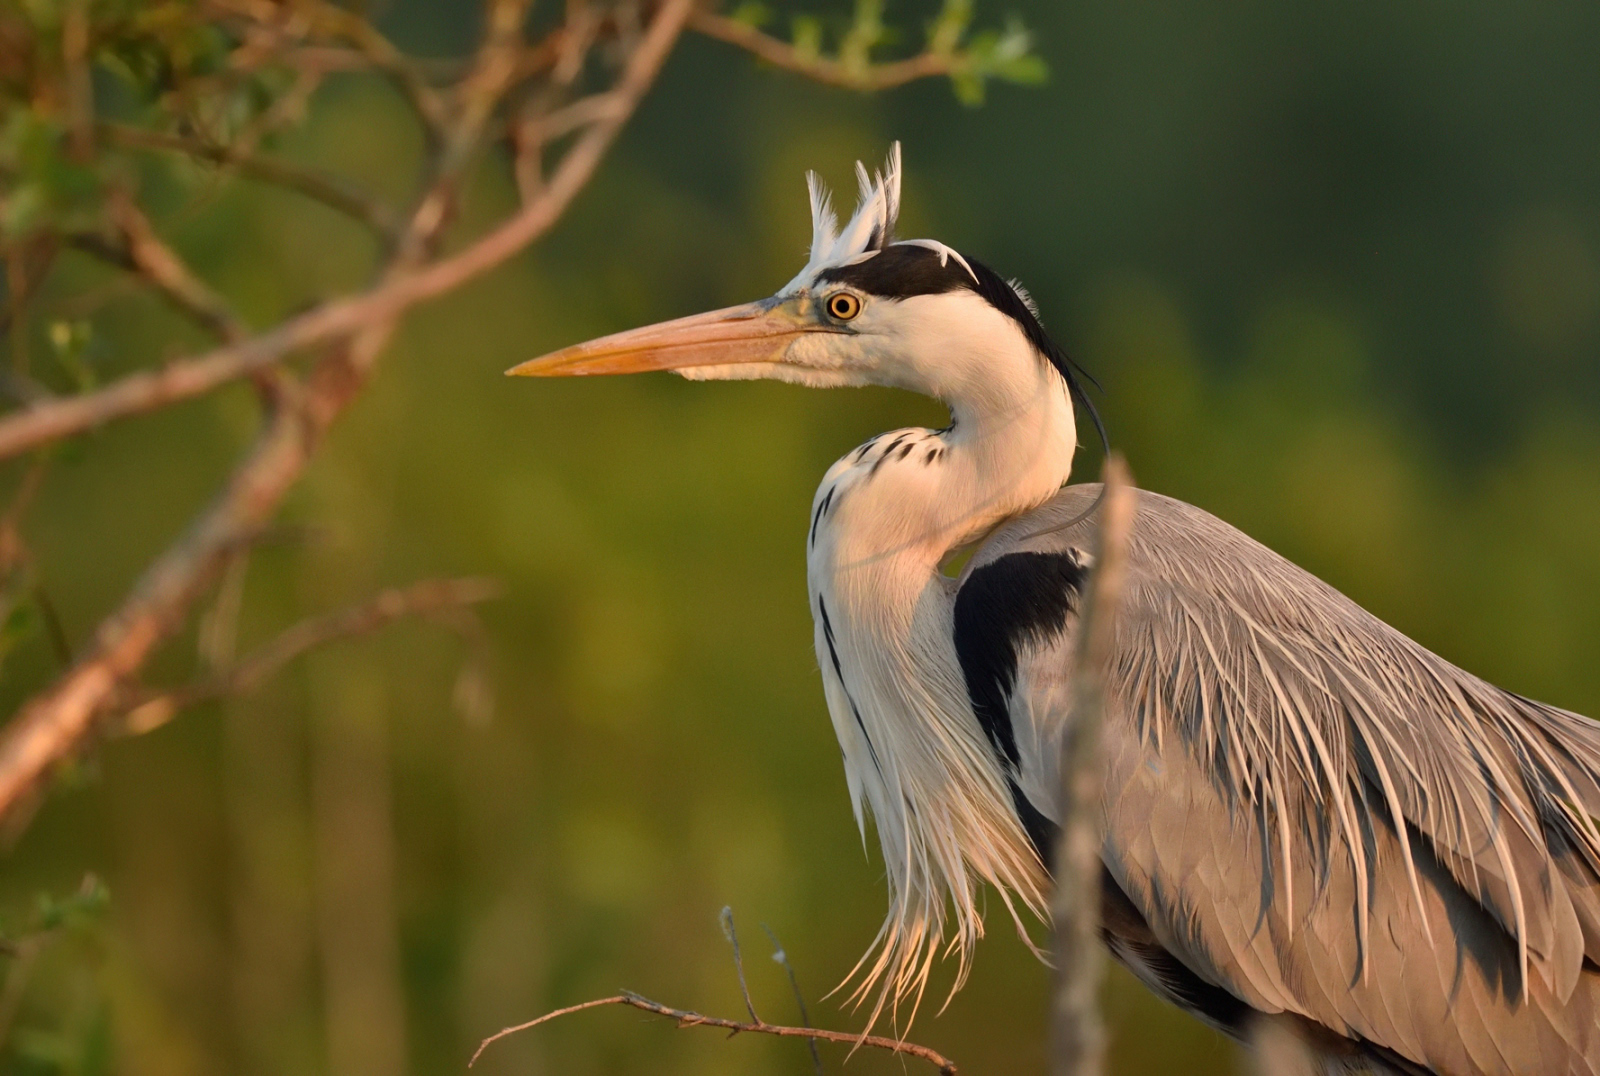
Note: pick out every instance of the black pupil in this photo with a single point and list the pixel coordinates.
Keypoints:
(841, 306)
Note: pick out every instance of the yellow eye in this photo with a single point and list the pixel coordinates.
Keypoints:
(843, 306)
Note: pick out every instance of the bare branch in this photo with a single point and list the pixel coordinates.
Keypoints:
(820, 68)
(148, 390)
(686, 1018)
(563, 51)
(162, 267)
(1079, 1036)
(332, 191)
(54, 723)
(427, 598)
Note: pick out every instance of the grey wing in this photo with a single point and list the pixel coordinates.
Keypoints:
(1314, 815)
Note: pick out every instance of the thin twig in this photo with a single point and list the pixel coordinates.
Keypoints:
(686, 1018)
(142, 251)
(323, 20)
(148, 390)
(332, 191)
(54, 629)
(781, 957)
(732, 934)
(424, 599)
(1078, 1034)
(820, 68)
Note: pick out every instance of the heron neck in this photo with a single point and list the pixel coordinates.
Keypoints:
(1011, 444)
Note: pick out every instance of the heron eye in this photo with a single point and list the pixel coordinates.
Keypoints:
(843, 306)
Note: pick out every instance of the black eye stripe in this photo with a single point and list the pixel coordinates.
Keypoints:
(902, 270)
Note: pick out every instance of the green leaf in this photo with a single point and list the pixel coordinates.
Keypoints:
(43, 187)
(82, 907)
(947, 30)
(69, 343)
(806, 36)
(753, 15)
(968, 88)
(866, 30)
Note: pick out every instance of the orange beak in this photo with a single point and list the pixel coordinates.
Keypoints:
(754, 332)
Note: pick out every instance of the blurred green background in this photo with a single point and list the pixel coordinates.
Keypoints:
(1337, 267)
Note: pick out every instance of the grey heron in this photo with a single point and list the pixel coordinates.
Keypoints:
(1310, 819)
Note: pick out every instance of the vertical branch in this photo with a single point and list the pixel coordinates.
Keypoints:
(1078, 1036)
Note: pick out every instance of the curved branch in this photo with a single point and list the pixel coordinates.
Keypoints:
(820, 68)
(427, 598)
(686, 1018)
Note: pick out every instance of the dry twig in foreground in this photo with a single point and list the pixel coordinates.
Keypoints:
(686, 1018)
(1077, 1032)
(755, 1025)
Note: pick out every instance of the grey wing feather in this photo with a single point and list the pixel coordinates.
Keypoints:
(1322, 817)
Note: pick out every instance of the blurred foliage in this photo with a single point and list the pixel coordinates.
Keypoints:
(67, 1033)
(1339, 271)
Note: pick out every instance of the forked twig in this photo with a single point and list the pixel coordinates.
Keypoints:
(687, 1018)
(755, 1025)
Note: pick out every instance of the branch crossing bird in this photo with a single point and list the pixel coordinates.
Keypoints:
(1312, 823)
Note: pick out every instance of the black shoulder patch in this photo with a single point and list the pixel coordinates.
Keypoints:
(1022, 597)
(1042, 833)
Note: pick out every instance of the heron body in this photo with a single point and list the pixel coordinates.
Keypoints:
(1311, 822)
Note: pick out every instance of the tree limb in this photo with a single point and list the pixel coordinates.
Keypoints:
(55, 722)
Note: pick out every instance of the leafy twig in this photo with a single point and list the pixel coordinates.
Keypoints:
(822, 69)
(968, 62)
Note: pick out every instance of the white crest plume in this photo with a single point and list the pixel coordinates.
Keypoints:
(871, 227)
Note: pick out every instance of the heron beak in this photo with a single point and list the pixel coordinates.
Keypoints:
(754, 332)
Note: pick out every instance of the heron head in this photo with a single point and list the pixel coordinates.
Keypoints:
(866, 309)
